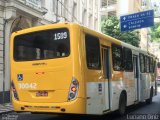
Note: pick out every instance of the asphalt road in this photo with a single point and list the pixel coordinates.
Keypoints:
(140, 111)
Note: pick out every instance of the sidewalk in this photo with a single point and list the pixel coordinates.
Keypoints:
(7, 107)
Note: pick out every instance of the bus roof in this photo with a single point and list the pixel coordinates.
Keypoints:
(67, 24)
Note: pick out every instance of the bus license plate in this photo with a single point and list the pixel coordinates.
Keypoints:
(42, 94)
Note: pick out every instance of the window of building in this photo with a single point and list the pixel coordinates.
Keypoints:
(144, 2)
(95, 24)
(91, 4)
(142, 63)
(96, 5)
(65, 11)
(74, 12)
(84, 3)
(90, 21)
(104, 3)
(112, 2)
(128, 59)
(35, 3)
(92, 52)
(55, 6)
(117, 57)
(111, 13)
(84, 16)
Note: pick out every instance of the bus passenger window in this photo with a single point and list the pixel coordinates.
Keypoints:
(147, 63)
(154, 65)
(158, 64)
(117, 58)
(151, 65)
(128, 59)
(142, 63)
(92, 52)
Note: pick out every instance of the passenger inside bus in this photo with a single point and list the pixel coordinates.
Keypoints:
(62, 50)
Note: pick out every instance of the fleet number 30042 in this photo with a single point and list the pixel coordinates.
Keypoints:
(27, 85)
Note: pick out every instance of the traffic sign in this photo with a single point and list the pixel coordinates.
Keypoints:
(137, 20)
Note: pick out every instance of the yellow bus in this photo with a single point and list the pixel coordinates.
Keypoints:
(68, 68)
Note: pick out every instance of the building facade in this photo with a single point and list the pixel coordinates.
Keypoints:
(20, 14)
(119, 7)
(84, 12)
(109, 8)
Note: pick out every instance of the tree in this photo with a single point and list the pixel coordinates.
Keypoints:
(155, 33)
(111, 26)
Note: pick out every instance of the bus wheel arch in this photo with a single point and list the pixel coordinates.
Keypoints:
(122, 102)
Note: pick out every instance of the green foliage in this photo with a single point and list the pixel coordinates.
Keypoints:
(111, 26)
(155, 33)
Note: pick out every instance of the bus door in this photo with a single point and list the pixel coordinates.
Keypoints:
(106, 75)
(136, 77)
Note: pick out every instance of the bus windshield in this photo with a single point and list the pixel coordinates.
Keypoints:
(47, 44)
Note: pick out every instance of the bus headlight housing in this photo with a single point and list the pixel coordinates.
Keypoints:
(73, 90)
(14, 91)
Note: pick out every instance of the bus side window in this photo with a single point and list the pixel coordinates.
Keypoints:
(151, 65)
(117, 57)
(92, 52)
(142, 63)
(128, 59)
(154, 65)
(158, 65)
(147, 64)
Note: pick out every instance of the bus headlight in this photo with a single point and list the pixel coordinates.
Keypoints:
(14, 91)
(73, 90)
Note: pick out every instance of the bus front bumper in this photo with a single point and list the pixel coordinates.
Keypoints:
(72, 107)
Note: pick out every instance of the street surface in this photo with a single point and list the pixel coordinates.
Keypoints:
(153, 110)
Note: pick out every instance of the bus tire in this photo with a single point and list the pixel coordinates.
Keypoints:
(149, 100)
(122, 104)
